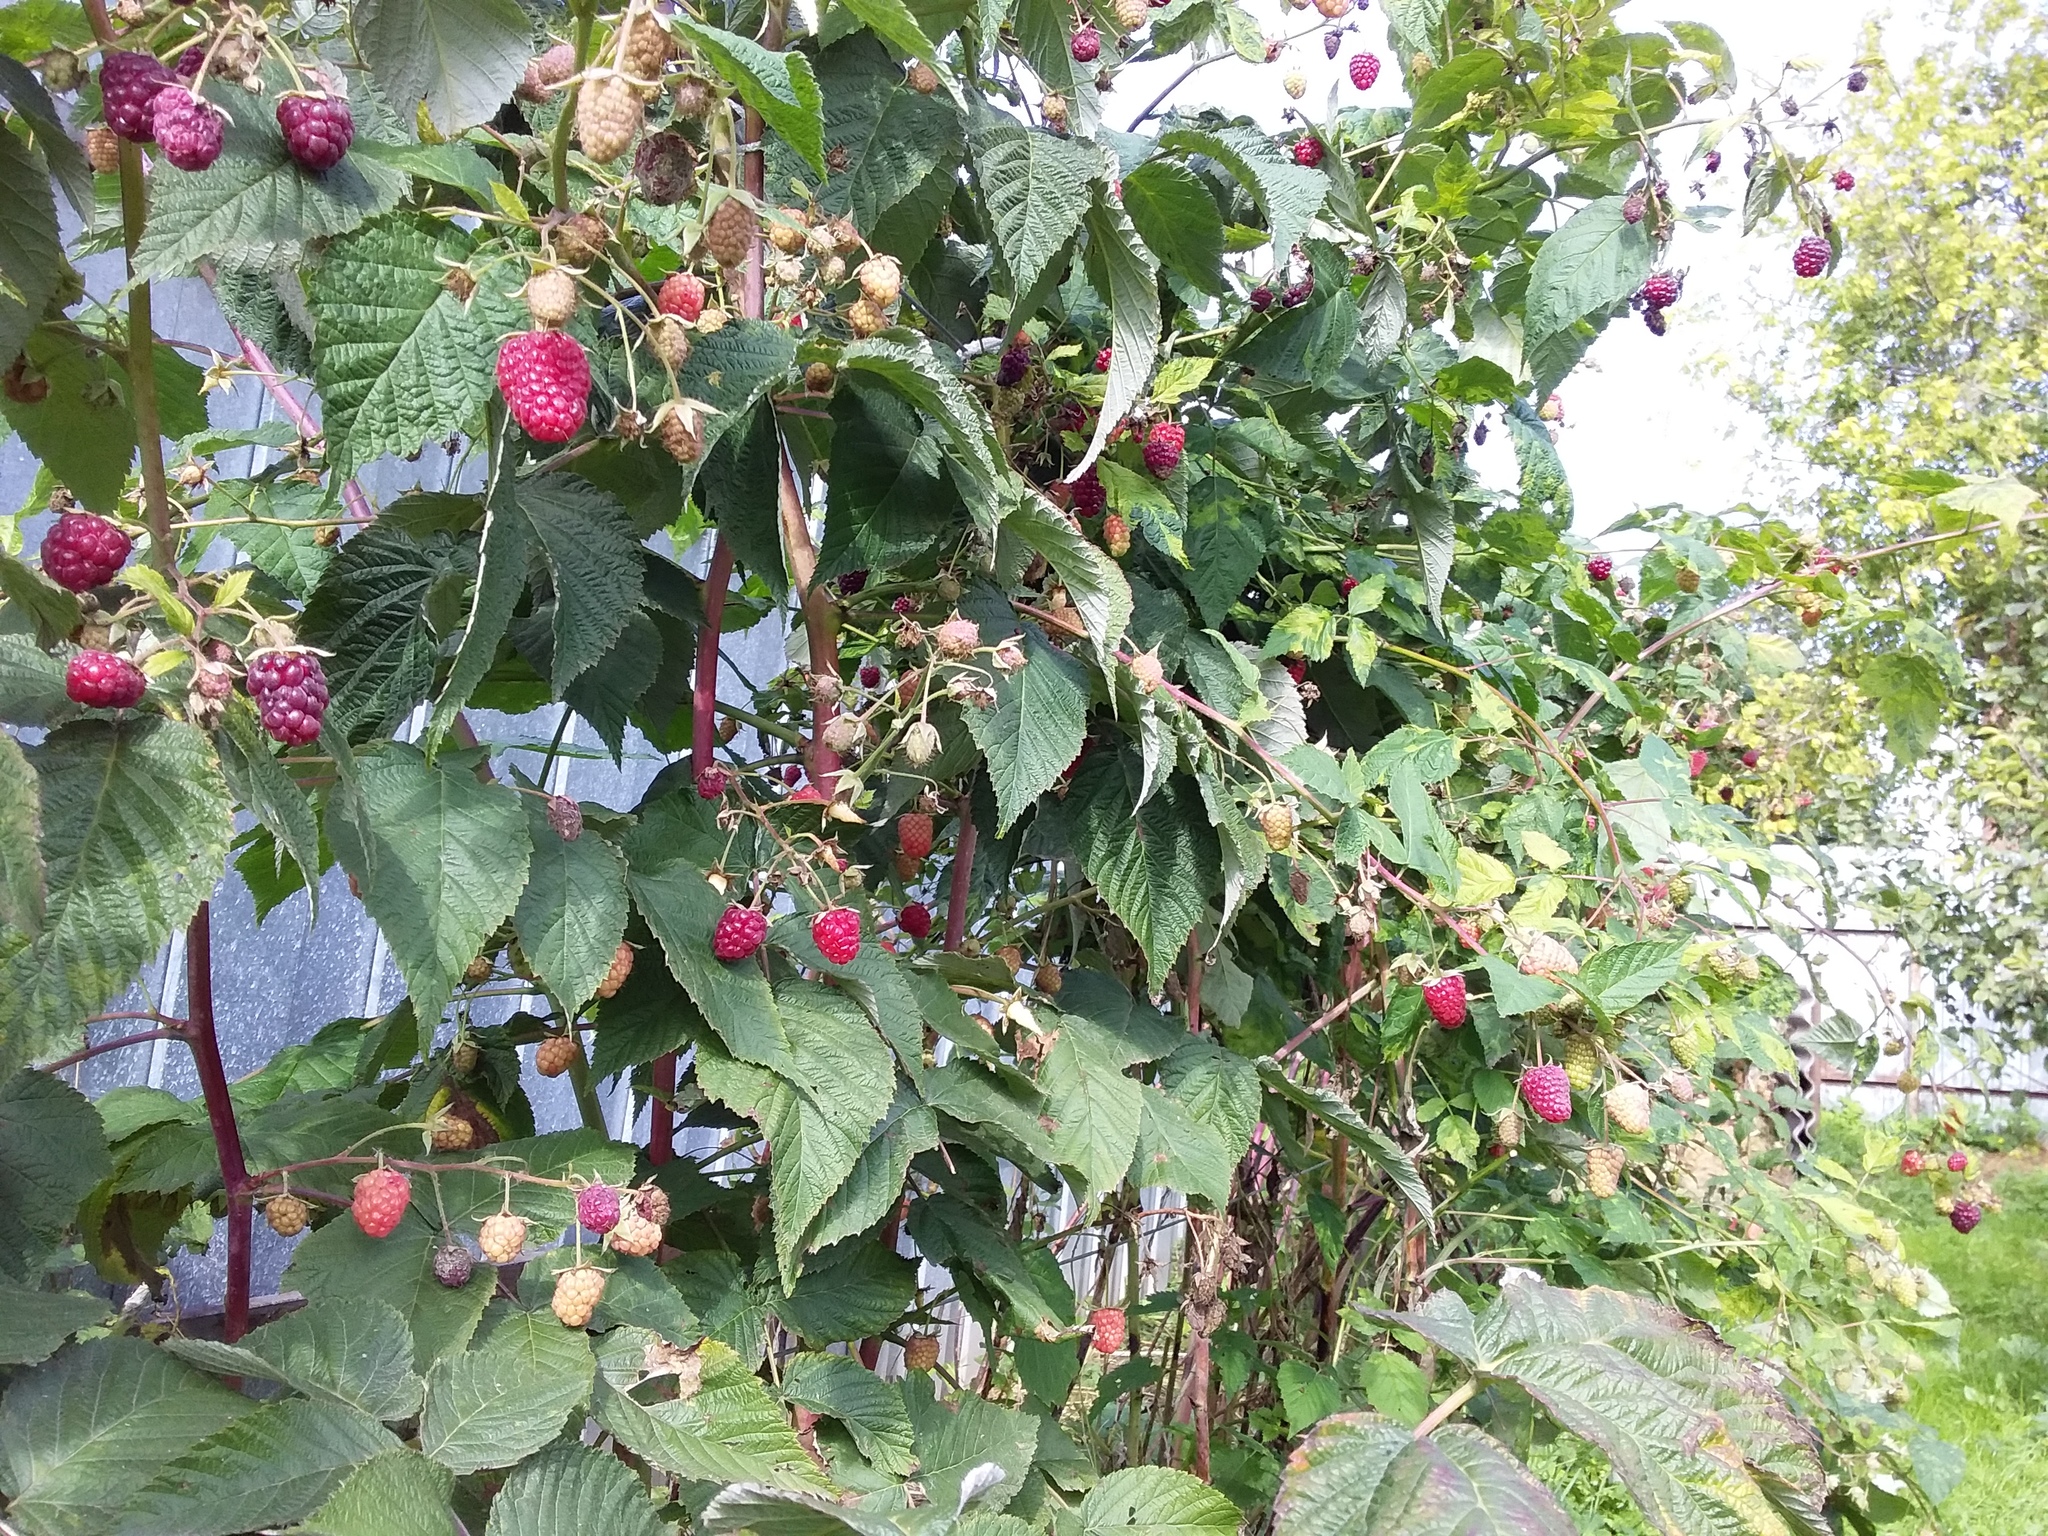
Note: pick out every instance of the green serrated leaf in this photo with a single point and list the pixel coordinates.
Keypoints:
(459, 59)
(399, 360)
(1289, 195)
(593, 560)
(267, 1468)
(1179, 221)
(954, 1441)
(497, 1404)
(34, 1323)
(395, 1493)
(916, 373)
(21, 855)
(570, 1489)
(1155, 1501)
(871, 1409)
(1034, 732)
(82, 428)
(1359, 1467)
(572, 914)
(1095, 583)
(1126, 276)
(1096, 1110)
(780, 86)
(358, 1353)
(1036, 186)
(1596, 261)
(728, 1431)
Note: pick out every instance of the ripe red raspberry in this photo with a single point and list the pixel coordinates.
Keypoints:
(290, 690)
(1102, 359)
(870, 675)
(1600, 568)
(1347, 585)
(914, 835)
(1965, 1216)
(1085, 45)
(1446, 999)
(1365, 68)
(129, 83)
(188, 128)
(1713, 161)
(852, 583)
(1547, 1092)
(1308, 152)
(1014, 364)
(597, 1207)
(1089, 496)
(711, 783)
(681, 294)
(739, 933)
(83, 551)
(545, 379)
(1163, 446)
(915, 920)
(102, 680)
(837, 932)
(921, 1352)
(1297, 667)
(904, 606)
(1812, 257)
(1912, 1162)
(1845, 181)
(1660, 290)
(381, 1196)
(1958, 1162)
(1110, 1329)
(1751, 757)
(317, 129)
(1260, 298)
(1697, 762)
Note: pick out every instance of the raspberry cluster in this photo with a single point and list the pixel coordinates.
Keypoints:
(129, 83)
(290, 692)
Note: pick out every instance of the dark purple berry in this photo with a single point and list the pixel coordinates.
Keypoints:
(290, 692)
(317, 129)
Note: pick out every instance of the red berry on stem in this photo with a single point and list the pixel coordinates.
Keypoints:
(1163, 447)
(1660, 290)
(1547, 1092)
(188, 128)
(1365, 68)
(681, 294)
(1958, 1162)
(83, 551)
(1812, 256)
(1085, 45)
(836, 931)
(1600, 568)
(1446, 999)
(129, 83)
(1751, 757)
(1965, 1216)
(1912, 1162)
(1308, 152)
(381, 1196)
(290, 692)
(102, 680)
(1089, 496)
(317, 129)
(1845, 181)
(1109, 1328)
(1697, 762)
(914, 834)
(597, 1208)
(711, 783)
(1102, 359)
(740, 931)
(915, 920)
(1260, 298)
(545, 378)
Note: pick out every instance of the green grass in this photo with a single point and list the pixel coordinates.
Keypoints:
(1992, 1401)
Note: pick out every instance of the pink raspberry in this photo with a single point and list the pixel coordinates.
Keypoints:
(1751, 757)
(290, 690)
(317, 129)
(1085, 45)
(1812, 257)
(129, 83)
(1912, 1162)
(1446, 999)
(1347, 585)
(915, 920)
(1089, 496)
(1697, 762)
(903, 608)
(681, 294)
(1660, 290)
(1547, 1092)
(1845, 181)
(711, 783)
(597, 1208)
(1965, 1216)
(83, 551)
(836, 931)
(381, 1196)
(1600, 568)
(1102, 359)
(870, 675)
(1163, 446)
(102, 680)
(1308, 152)
(740, 931)
(545, 379)
(1959, 1162)
(189, 128)
(1365, 68)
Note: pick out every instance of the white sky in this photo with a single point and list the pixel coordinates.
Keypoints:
(1648, 422)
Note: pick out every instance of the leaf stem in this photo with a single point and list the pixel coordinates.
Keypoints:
(220, 1115)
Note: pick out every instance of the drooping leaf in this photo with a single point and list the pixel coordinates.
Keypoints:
(779, 86)
(571, 1489)
(1126, 275)
(1154, 867)
(1179, 221)
(52, 1152)
(261, 786)
(498, 1403)
(1597, 260)
(916, 373)
(593, 562)
(728, 1431)
(81, 427)
(1289, 195)
(1036, 184)
(954, 1441)
(1034, 732)
(30, 257)
(871, 1409)
(399, 360)
(1910, 694)
(1379, 1148)
(572, 914)
(135, 820)
(459, 59)
(35, 1323)
(1096, 1111)
(1096, 584)
(1361, 1472)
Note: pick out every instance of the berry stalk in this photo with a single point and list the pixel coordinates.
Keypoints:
(220, 1115)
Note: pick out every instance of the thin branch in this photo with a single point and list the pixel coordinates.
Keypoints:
(113, 1045)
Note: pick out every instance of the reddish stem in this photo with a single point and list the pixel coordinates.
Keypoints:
(661, 1126)
(112, 1045)
(220, 1114)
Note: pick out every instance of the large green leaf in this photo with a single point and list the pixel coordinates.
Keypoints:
(81, 428)
(395, 1493)
(135, 836)
(950, 1232)
(1179, 221)
(1034, 732)
(874, 1185)
(1095, 1109)
(440, 859)
(341, 1263)
(1095, 583)
(1176, 1149)
(500, 1402)
(915, 372)
(1225, 544)
(871, 1409)
(256, 205)
(1289, 195)
(728, 1431)
(1154, 867)
(861, 1291)
(1910, 693)
(569, 1490)
(1126, 276)
(34, 1323)
(572, 913)
(1036, 185)
(1156, 1501)
(458, 58)
(890, 498)
(1622, 975)
(1361, 1473)
(79, 1436)
(783, 1512)
(779, 86)
(357, 1352)
(955, 1441)
(593, 562)
(370, 613)
(261, 786)
(1596, 261)
(400, 361)
(267, 1468)
(31, 259)
(52, 1152)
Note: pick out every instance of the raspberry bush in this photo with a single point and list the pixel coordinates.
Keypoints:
(1182, 725)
